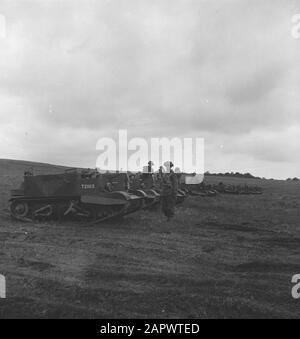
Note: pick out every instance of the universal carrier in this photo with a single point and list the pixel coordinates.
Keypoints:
(85, 195)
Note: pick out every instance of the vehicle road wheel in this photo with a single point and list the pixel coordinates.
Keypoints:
(19, 209)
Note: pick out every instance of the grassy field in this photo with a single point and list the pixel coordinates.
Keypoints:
(221, 257)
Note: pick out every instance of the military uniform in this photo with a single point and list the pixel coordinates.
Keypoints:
(169, 193)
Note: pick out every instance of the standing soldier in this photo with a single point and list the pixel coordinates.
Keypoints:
(150, 166)
(169, 191)
(148, 176)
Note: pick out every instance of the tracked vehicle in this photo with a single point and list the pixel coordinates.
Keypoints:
(81, 195)
(143, 184)
(151, 186)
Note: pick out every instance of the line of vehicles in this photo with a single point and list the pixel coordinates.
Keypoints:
(84, 195)
(92, 196)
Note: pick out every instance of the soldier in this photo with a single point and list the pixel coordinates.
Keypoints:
(150, 166)
(169, 191)
(161, 171)
(148, 175)
(179, 175)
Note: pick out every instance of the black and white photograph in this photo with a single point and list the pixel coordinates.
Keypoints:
(149, 162)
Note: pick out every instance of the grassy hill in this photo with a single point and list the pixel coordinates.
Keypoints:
(17, 167)
(12, 171)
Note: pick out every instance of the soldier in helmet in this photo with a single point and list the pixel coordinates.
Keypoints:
(150, 166)
(148, 175)
(169, 190)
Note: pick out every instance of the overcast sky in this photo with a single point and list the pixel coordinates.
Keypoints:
(226, 70)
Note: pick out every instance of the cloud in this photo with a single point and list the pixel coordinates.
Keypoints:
(73, 71)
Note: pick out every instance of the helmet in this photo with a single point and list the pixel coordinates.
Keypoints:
(168, 164)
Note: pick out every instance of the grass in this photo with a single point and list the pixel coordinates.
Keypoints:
(223, 257)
